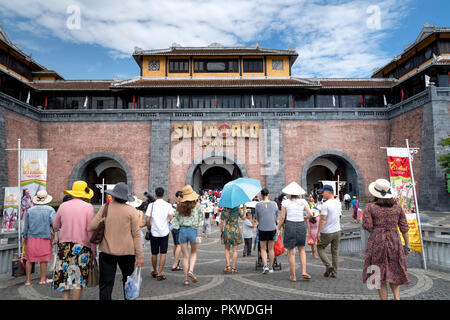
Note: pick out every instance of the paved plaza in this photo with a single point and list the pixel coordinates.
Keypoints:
(249, 284)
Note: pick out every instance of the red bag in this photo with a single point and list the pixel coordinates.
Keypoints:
(278, 247)
(360, 215)
(310, 241)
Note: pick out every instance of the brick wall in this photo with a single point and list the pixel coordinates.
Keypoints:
(409, 126)
(28, 131)
(245, 150)
(72, 142)
(359, 140)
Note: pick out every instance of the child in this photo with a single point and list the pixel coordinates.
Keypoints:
(249, 224)
(355, 206)
(313, 228)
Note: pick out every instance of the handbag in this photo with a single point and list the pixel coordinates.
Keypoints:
(99, 233)
(278, 248)
(93, 275)
(148, 234)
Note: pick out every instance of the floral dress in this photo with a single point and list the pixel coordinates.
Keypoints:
(72, 266)
(232, 234)
(384, 247)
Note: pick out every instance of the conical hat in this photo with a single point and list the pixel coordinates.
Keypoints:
(293, 189)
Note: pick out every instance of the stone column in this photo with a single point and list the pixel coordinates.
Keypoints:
(274, 157)
(159, 156)
(436, 126)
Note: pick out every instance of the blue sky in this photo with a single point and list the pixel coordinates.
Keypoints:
(335, 38)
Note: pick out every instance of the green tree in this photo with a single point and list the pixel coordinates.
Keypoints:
(444, 160)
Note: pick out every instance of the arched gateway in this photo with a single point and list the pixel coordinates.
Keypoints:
(98, 166)
(327, 165)
(214, 170)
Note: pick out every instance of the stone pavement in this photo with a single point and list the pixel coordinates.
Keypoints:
(249, 284)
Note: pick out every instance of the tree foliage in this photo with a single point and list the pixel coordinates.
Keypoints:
(444, 160)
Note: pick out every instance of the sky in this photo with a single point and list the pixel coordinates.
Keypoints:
(335, 38)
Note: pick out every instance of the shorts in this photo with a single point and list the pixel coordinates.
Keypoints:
(187, 234)
(175, 236)
(266, 235)
(159, 244)
(294, 234)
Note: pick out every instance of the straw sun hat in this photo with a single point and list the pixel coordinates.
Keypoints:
(42, 197)
(381, 189)
(80, 190)
(136, 203)
(293, 189)
(189, 194)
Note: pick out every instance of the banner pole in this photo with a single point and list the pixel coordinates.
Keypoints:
(103, 189)
(417, 207)
(19, 205)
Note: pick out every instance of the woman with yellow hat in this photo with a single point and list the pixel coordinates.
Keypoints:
(188, 218)
(74, 248)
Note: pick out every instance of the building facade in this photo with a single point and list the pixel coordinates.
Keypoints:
(206, 115)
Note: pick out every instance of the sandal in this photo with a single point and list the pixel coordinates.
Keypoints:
(46, 281)
(227, 269)
(177, 268)
(192, 276)
(154, 274)
(28, 283)
(291, 279)
(306, 276)
(161, 277)
(186, 282)
(234, 271)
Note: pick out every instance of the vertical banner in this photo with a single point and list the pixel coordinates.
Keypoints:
(10, 208)
(400, 175)
(33, 177)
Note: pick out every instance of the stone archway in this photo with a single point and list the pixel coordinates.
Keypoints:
(323, 157)
(103, 164)
(204, 159)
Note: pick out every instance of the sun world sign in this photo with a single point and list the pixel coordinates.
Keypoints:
(240, 130)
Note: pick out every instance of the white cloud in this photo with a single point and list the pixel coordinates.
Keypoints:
(332, 37)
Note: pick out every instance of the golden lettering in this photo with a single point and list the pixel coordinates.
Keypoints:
(235, 130)
(211, 131)
(177, 130)
(245, 134)
(198, 131)
(187, 131)
(254, 131)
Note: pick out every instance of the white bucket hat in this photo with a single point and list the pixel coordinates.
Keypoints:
(381, 189)
(42, 197)
(315, 213)
(293, 189)
(136, 203)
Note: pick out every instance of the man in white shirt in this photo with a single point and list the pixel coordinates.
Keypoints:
(347, 200)
(329, 231)
(159, 214)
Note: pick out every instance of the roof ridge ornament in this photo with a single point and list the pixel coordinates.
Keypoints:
(215, 45)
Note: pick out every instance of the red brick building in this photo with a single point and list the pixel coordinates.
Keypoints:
(204, 116)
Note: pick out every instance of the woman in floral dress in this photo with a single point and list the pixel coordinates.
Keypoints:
(384, 247)
(231, 235)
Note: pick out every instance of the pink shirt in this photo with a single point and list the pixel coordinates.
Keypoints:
(73, 219)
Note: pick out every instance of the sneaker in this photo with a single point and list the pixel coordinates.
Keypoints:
(333, 274)
(328, 272)
(270, 270)
(265, 270)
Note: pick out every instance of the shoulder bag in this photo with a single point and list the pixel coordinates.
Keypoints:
(99, 233)
(148, 234)
(93, 275)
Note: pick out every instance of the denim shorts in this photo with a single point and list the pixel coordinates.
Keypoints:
(187, 234)
(294, 234)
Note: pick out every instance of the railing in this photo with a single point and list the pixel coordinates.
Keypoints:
(381, 113)
(436, 241)
(7, 252)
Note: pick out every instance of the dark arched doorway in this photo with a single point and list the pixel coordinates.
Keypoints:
(332, 166)
(213, 172)
(98, 168)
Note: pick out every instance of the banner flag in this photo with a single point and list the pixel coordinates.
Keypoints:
(33, 177)
(402, 186)
(10, 208)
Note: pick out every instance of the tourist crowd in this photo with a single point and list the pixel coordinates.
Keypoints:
(299, 219)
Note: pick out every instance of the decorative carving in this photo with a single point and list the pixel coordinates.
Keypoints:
(277, 64)
(153, 65)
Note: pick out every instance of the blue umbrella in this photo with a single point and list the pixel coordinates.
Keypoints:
(239, 191)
